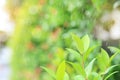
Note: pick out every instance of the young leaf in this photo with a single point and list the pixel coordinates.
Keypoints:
(75, 53)
(60, 71)
(79, 43)
(79, 77)
(103, 60)
(50, 72)
(94, 76)
(78, 68)
(89, 67)
(66, 77)
(105, 56)
(89, 51)
(86, 42)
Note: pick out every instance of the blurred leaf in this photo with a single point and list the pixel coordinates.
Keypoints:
(66, 77)
(60, 71)
(79, 69)
(109, 69)
(60, 54)
(89, 67)
(112, 57)
(94, 76)
(76, 54)
(89, 51)
(115, 50)
(79, 77)
(103, 60)
(50, 72)
(86, 42)
(79, 43)
(111, 75)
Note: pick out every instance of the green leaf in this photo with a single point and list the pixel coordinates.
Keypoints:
(105, 56)
(89, 67)
(60, 71)
(66, 77)
(73, 52)
(79, 43)
(76, 54)
(111, 75)
(114, 49)
(94, 76)
(78, 68)
(89, 51)
(86, 42)
(103, 60)
(112, 57)
(50, 72)
(109, 69)
(79, 77)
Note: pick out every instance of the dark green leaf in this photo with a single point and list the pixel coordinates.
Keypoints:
(111, 75)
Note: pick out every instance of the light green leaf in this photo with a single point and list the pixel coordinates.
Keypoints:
(89, 67)
(103, 60)
(79, 77)
(66, 77)
(50, 72)
(79, 43)
(76, 54)
(60, 71)
(86, 42)
(78, 68)
(94, 76)
(73, 52)
(88, 52)
(105, 56)
(111, 75)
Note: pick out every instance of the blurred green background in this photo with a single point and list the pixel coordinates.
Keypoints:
(43, 30)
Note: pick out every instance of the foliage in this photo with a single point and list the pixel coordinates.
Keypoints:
(42, 33)
(87, 72)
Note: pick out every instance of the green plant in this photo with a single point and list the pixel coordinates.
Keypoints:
(84, 70)
(43, 27)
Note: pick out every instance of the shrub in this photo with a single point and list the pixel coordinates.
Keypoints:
(84, 70)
